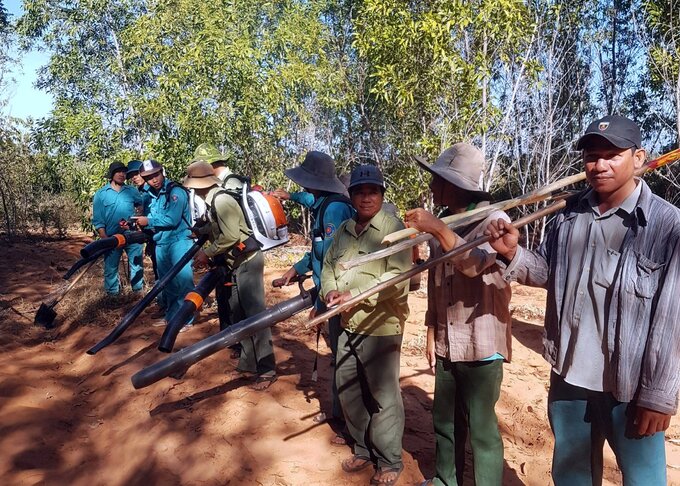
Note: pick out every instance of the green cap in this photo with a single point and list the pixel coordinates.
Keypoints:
(207, 152)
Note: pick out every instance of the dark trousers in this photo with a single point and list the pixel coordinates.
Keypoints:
(243, 300)
(465, 396)
(334, 330)
(367, 376)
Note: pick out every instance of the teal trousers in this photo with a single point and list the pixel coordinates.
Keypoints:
(465, 397)
(582, 420)
(135, 265)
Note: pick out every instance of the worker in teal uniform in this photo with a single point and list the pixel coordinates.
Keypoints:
(324, 195)
(112, 203)
(169, 218)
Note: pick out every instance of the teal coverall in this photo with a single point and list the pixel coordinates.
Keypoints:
(109, 207)
(169, 219)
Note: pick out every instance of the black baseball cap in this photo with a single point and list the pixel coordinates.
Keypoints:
(618, 130)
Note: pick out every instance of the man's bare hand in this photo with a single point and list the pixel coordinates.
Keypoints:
(334, 298)
(424, 221)
(649, 422)
(201, 260)
(281, 194)
(504, 238)
(285, 279)
(429, 350)
(142, 221)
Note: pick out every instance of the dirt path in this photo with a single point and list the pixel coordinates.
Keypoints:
(70, 418)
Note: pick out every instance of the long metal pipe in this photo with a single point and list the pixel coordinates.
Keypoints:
(183, 359)
(192, 302)
(133, 313)
(114, 241)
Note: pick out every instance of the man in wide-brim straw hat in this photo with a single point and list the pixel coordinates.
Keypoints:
(233, 246)
(468, 323)
(324, 196)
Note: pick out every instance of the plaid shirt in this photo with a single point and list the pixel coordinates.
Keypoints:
(468, 300)
(643, 341)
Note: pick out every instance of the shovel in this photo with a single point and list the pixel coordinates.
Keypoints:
(46, 314)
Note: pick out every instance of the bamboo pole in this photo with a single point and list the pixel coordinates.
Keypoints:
(457, 220)
(556, 206)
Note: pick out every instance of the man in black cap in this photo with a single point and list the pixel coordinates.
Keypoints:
(112, 203)
(611, 265)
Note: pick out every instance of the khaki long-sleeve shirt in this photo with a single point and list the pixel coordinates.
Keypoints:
(384, 313)
(227, 223)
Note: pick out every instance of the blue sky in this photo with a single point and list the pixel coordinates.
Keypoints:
(24, 99)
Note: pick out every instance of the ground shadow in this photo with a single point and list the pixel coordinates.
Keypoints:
(528, 334)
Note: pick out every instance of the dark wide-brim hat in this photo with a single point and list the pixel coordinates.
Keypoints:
(618, 130)
(461, 165)
(316, 172)
(116, 167)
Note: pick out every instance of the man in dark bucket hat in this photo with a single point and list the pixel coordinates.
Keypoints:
(610, 265)
(468, 323)
(113, 203)
(324, 196)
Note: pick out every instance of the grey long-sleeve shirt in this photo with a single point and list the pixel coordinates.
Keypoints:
(643, 328)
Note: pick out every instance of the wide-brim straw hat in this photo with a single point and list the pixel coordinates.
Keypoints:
(316, 172)
(200, 175)
(461, 165)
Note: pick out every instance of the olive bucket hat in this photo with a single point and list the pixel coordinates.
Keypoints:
(200, 175)
(207, 152)
(461, 165)
(316, 172)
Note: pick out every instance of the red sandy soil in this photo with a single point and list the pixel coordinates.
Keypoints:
(67, 418)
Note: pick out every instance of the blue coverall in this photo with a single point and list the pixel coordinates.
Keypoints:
(109, 207)
(169, 218)
(323, 229)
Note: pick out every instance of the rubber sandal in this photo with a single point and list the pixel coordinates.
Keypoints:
(386, 470)
(338, 440)
(319, 418)
(262, 383)
(348, 465)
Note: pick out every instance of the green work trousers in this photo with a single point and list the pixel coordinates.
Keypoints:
(465, 396)
(246, 300)
(367, 377)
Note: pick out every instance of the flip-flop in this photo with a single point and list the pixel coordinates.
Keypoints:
(262, 383)
(349, 468)
(338, 440)
(383, 470)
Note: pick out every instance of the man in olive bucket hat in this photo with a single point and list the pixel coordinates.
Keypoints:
(468, 323)
(233, 246)
(324, 195)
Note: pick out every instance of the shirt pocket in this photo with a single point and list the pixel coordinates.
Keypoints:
(647, 273)
(604, 268)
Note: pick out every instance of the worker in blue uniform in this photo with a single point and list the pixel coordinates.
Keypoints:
(325, 196)
(169, 218)
(112, 203)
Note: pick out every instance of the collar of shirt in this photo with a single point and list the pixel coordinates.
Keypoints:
(376, 222)
(627, 207)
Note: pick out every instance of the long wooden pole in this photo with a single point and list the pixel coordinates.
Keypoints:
(457, 220)
(556, 206)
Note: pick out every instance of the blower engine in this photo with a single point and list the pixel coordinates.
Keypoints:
(264, 213)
